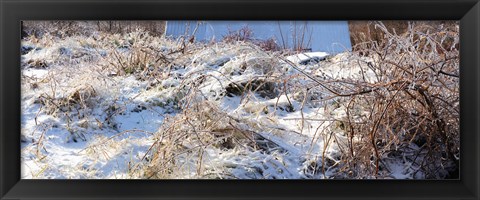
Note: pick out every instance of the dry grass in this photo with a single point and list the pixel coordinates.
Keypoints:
(182, 140)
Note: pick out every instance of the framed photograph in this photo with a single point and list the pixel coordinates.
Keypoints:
(239, 99)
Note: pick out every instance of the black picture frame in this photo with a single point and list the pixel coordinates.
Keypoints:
(13, 11)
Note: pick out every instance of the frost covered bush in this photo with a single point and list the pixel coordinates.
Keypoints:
(410, 108)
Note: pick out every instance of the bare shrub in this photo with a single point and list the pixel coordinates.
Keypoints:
(412, 106)
(245, 34)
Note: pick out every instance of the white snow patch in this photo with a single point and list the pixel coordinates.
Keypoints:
(307, 56)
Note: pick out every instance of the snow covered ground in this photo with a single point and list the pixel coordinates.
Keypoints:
(81, 119)
(307, 57)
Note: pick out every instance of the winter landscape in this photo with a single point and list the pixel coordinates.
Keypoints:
(117, 100)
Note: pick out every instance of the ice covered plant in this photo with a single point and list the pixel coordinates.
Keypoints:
(409, 109)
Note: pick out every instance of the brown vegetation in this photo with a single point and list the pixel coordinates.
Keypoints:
(86, 28)
(414, 99)
(366, 31)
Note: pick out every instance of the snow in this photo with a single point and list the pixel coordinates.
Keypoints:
(112, 135)
(307, 56)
